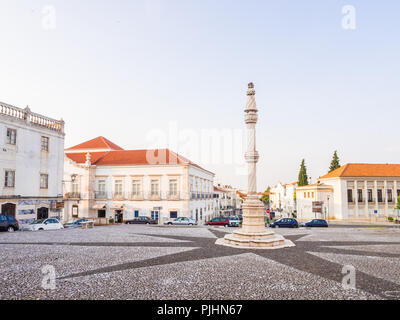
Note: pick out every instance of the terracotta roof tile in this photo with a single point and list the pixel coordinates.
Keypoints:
(96, 143)
(365, 170)
(131, 157)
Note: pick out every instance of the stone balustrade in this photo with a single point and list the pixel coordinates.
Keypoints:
(31, 117)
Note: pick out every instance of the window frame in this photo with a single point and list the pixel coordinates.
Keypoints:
(9, 138)
(46, 144)
(6, 172)
(47, 181)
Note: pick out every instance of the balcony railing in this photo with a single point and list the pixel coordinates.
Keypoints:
(154, 196)
(137, 196)
(173, 196)
(72, 195)
(100, 195)
(118, 196)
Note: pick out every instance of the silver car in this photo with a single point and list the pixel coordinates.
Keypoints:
(234, 221)
(182, 221)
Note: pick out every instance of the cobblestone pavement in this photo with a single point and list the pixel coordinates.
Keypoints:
(154, 262)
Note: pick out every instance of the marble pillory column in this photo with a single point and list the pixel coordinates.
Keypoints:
(253, 234)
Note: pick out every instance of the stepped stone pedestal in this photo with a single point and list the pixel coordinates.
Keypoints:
(253, 234)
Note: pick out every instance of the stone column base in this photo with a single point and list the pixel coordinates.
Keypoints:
(265, 240)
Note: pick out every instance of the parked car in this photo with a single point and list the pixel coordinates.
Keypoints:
(8, 223)
(75, 223)
(141, 220)
(318, 223)
(285, 223)
(44, 224)
(181, 221)
(220, 221)
(234, 221)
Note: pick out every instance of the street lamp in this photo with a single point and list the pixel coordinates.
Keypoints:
(328, 207)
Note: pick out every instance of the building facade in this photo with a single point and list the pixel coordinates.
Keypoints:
(32, 160)
(353, 192)
(227, 201)
(102, 181)
(283, 198)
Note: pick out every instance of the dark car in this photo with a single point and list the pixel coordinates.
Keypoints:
(141, 220)
(8, 223)
(316, 223)
(220, 221)
(285, 223)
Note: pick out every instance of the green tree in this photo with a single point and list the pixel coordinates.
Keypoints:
(265, 196)
(335, 163)
(398, 203)
(303, 178)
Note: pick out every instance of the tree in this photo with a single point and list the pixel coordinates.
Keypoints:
(303, 178)
(335, 163)
(398, 203)
(265, 196)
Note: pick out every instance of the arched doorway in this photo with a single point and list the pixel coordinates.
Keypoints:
(42, 213)
(8, 209)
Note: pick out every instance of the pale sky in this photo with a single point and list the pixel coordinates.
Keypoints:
(127, 70)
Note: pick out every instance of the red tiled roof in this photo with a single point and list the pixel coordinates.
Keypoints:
(131, 157)
(365, 170)
(97, 143)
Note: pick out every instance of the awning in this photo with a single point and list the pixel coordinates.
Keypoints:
(116, 206)
(99, 206)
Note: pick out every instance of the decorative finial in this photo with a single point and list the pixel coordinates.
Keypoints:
(251, 91)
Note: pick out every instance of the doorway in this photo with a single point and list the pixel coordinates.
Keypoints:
(42, 213)
(8, 209)
(119, 216)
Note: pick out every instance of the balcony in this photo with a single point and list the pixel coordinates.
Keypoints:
(118, 196)
(173, 196)
(73, 195)
(137, 196)
(154, 196)
(100, 195)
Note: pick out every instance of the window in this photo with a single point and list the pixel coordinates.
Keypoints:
(389, 195)
(305, 195)
(349, 195)
(75, 211)
(9, 181)
(173, 187)
(359, 195)
(136, 187)
(101, 213)
(154, 187)
(12, 136)
(370, 199)
(45, 144)
(118, 187)
(398, 192)
(380, 195)
(312, 195)
(136, 213)
(173, 214)
(44, 181)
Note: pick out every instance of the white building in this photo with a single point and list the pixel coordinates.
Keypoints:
(353, 192)
(103, 181)
(283, 199)
(31, 160)
(227, 201)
